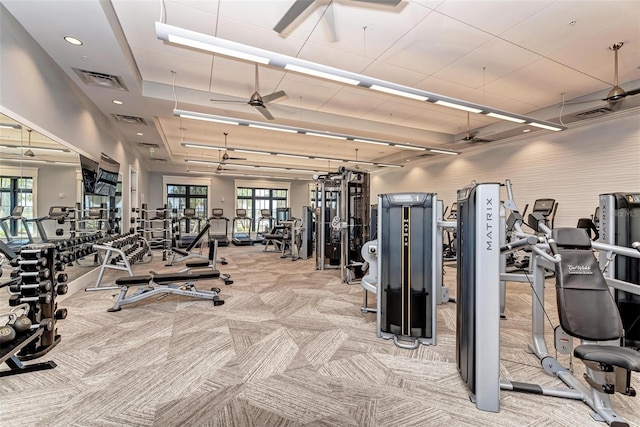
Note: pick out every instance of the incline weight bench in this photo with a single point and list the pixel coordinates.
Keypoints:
(160, 285)
(187, 253)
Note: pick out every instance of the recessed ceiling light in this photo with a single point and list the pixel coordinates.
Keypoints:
(139, 134)
(74, 41)
(526, 130)
(115, 101)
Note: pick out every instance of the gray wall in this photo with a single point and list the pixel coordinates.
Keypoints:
(573, 167)
(37, 93)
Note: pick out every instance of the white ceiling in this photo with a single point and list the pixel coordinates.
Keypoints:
(517, 56)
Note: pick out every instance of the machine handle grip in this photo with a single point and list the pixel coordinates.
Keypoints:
(636, 246)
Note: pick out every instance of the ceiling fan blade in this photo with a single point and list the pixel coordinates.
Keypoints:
(633, 92)
(263, 110)
(273, 96)
(294, 11)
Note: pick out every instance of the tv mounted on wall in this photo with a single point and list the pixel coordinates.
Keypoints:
(89, 174)
(107, 180)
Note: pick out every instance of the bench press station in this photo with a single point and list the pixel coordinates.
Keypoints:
(160, 285)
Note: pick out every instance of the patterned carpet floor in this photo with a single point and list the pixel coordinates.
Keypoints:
(290, 347)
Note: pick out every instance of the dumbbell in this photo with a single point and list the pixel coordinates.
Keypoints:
(59, 231)
(41, 299)
(62, 277)
(40, 262)
(7, 333)
(61, 314)
(36, 275)
(60, 266)
(62, 289)
(42, 286)
(23, 324)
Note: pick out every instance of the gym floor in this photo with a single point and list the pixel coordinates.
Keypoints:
(289, 347)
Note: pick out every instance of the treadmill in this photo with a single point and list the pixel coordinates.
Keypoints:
(217, 216)
(263, 226)
(241, 237)
(189, 217)
(13, 241)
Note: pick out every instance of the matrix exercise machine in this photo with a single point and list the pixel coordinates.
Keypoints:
(585, 307)
(189, 218)
(241, 237)
(6, 223)
(216, 232)
(264, 225)
(620, 225)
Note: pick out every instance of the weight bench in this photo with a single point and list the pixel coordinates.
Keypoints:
(588, 311)
(187, 252)
(161, 285)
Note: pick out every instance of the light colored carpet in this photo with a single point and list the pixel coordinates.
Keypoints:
(289, 347)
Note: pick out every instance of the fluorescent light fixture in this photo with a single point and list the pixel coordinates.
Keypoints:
(325, 135)
(295, 156)
(117, 102)
(72, 40)
(503, 117)
(10, 126)
(398, 92)
(201, 162)
(206, 147)
(24, 161)
(543, 126)
(208, 119)
(458, 106)
(452, 153)
(216, 49)
(368, 141)
(21, 147)
(238, 150)
(390, 166)
(210, 43)
(409, 147)
(139, 134)
(279, 129)
(321, 74)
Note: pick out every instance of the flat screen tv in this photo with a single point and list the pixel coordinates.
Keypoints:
(107, 178)
(89, 174)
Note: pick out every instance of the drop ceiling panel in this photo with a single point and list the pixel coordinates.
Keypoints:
(351, 102)
(434, 43)
(393, 73)
(487, 63)
(551, 30)
(493, 17)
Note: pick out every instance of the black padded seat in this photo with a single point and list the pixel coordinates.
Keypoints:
(184, 277)
(133, 280)
(622, 357)
(197, 263)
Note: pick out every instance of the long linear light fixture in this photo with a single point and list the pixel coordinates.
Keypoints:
(294, 155)
(252, 167)
(209, 43)
(48, 162)
(185, 114)
(227, 173)
(25, 147)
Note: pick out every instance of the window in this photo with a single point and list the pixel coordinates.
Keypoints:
(188, 196)
(256, 199)
(15, 191)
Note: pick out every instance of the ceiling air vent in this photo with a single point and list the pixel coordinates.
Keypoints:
(93, 78)
(132, 120)
(148, 145)
(594, 113)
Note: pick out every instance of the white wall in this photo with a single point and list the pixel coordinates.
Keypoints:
(37, 93)
(573, 167)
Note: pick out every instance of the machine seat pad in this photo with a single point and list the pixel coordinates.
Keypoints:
(185, 277)
(180, 251)
(133, 280)
(622, 357)
(197, 263)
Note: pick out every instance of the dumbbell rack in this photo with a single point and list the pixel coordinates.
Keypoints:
(120, 252)
(37, 289)
(157, 230)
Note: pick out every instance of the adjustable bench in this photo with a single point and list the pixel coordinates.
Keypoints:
(161, 285)
(188, 253)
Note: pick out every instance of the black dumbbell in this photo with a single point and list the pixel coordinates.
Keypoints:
(63, 277)
(59, 231)
(62, 289)
(42, 286)
(15, 300)
(61, 314)
(23, 324)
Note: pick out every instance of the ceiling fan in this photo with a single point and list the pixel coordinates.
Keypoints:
(257, 100)
(29, 153)
(226, 155)
(616, 93)
(299, 6)
(470, 136)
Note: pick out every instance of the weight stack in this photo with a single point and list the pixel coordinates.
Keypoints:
(406, 268)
